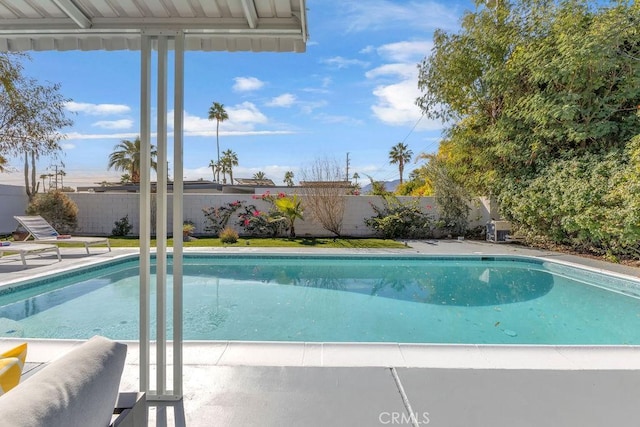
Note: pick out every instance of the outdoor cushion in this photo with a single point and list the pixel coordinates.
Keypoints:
(11, 365)
(10, 371)
(79, 389)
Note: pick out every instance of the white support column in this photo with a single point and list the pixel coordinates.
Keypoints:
(161, 392)
(161, 220)
(178, 214)
(145, 209)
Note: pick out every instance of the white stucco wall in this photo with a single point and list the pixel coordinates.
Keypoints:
(97, 212)
(13, 201)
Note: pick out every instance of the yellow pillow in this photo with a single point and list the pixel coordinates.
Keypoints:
(20, 352)
(10, 371)
(11, 365)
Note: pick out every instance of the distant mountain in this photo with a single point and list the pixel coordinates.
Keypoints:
(388, 185)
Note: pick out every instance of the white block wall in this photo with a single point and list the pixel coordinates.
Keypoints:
(13, 201)
(97, 212)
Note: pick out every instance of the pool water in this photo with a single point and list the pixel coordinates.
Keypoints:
(492, 300)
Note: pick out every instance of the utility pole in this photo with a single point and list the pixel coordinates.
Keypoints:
(348, 161)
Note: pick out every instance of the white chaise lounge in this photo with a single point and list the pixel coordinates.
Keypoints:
(43, 232)
(80, 389)
(26, 248)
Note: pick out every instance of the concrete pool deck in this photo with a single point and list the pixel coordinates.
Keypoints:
(333, 384)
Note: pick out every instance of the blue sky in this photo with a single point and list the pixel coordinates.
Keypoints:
(353, 91)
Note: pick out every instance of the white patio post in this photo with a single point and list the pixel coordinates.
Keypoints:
(178, 214)
(161, 392)
(145, 208)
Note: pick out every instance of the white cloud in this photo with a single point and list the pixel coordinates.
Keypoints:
(406, 51)
(247, 84)
(243, 120)
(97, 109)
(404, 71)
(284, 100)
(245, 114)
(345, 120)
(341, 62)
(367, 49)
(80, 136)
(67, 146)
(309, 107)
(376, 15)
(114, 124)
(396, 87)
(396, 106)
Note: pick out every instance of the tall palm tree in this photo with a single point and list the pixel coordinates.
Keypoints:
(219, 114)
(259, 175)
(288, 178)
(400, 154)
(126, 157)
(229, 160)
(356, 177)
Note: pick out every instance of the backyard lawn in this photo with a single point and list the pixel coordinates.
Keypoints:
(121, 242)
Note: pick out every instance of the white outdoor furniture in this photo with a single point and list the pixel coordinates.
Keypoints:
(43, 232)
(78, 389)
(27, 248)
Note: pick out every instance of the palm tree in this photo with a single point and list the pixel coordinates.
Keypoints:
(127, 158)
(219, 114)
(224, 168)
(291, 208)
(400, 154)
(214, 168)
(229, 160)
(62, 174)
(3, 164)
(356, 177)
(43, 177)
(288, 178)
(259, 175)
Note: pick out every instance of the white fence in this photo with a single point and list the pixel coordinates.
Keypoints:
(13, 201)
(97, 212)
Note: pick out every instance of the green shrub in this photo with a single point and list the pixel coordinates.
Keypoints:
(122, 227)
(396, 220)
(57, 208)
(591, 203)
(228, 235)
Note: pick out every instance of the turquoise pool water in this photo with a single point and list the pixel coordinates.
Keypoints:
(493, 300)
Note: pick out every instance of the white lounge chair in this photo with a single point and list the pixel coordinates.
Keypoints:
(25, 248)
(43, 232)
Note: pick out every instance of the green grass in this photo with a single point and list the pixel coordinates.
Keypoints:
(129, 242)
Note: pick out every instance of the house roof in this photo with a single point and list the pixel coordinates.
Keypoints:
(208, 25)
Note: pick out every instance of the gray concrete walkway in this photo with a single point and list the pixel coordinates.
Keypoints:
(328, 384)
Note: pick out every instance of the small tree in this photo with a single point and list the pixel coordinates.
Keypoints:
(288, 178)
(324, 194)
(31, 116)
(57, 208)
(291, 208)
(451, 197)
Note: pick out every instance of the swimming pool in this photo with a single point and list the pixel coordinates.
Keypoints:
(408, 299)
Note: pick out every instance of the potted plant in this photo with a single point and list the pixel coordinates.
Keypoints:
(187, 229)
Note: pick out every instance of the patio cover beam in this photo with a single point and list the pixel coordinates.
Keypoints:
(74, 13)
(250, 12)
